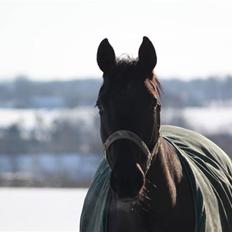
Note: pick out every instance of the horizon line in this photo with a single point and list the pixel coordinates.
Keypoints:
(96, 77)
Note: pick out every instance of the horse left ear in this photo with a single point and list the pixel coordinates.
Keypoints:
(147, 56)
(105, 56)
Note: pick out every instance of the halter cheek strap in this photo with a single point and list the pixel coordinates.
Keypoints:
(129, 135)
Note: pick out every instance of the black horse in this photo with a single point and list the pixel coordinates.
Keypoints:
(153, 178)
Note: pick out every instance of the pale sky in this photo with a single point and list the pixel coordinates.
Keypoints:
(48, 39)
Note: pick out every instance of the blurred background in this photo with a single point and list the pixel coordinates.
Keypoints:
(50, 145)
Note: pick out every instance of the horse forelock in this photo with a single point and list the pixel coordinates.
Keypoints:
(127, 75)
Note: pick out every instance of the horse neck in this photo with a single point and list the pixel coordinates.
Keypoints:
(163, 179)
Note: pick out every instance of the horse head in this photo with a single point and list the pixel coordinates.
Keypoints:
(128, 103)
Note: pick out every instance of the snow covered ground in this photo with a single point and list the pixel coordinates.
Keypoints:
(211, 119)
(40, 209)
(207, 120)
(28, 118)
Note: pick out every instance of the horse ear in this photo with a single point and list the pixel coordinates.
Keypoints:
(147, 55)
(105, 56)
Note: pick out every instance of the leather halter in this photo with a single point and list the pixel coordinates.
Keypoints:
(129, 135)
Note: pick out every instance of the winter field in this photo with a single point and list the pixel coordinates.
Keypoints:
(44, 209)
(40, 209)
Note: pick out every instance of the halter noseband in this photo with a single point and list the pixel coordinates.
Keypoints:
(129, 135)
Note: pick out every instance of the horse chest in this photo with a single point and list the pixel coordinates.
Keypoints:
(124, 218)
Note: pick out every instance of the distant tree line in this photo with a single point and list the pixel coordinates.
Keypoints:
(64, 136)
(197, 92)
(25, 93)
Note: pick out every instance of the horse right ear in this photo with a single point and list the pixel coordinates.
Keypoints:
(147, 55)
(105, 56)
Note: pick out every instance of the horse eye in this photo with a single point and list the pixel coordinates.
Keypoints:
(101, 109)
(155, 102)
(152, 105)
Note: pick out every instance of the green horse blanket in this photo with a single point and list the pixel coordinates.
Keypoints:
(208, 170)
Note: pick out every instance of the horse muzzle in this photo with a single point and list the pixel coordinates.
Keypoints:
(127, 183)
